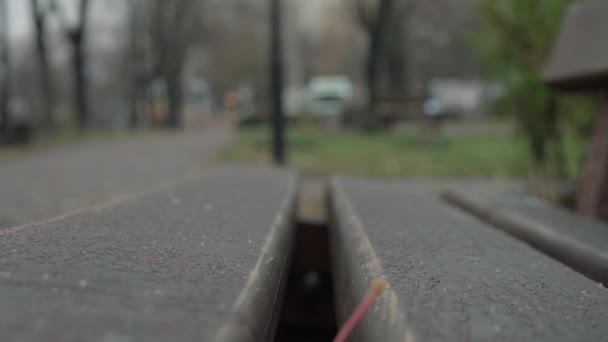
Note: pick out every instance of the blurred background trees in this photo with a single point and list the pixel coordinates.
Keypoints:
(138, 49)
(174, 28)
(161, 35)
(385, 25)
(41, 10)
(375, 18)
(514, 40)
(133, 63)
(119, 64)
(76, 34)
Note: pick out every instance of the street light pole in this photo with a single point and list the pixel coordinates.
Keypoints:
(5, 72)
(276, 83)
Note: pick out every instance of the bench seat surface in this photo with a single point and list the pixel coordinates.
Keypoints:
(166, 266)
(458, 279)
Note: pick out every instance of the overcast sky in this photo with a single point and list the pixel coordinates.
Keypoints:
(103, 12)
(110, 13)
(18, 16)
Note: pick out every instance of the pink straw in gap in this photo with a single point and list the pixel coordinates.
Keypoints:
(378, 286)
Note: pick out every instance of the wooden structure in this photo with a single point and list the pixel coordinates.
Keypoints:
(579, 63)
(234, 255)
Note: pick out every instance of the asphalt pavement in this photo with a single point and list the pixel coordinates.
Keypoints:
(48, 183)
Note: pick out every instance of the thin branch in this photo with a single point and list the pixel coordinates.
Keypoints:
(69, 30)
(403, 8)
(83, 14)
(361, 14)
(61, 16)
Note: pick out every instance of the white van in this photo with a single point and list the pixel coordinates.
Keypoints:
(329, 96)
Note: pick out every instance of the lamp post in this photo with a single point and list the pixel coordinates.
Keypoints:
(5, 87)
(276, 84)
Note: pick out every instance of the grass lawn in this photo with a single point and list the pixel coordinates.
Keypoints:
(395, 154)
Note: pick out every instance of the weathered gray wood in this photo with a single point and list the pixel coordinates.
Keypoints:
(586, 230)
(355, 266)
(576, 241)
(457, 279)
(593, 187)
(580, 55)
(579, 62)
(199, 261)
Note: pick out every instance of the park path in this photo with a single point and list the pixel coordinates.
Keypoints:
(52, 182)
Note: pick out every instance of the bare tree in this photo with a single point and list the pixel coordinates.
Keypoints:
(76, 35)
(377, 17)
(40, 10)
(395, 53)
(136, 59)
(5, 71)
(374, 20)
(234, 29)
(174, 29)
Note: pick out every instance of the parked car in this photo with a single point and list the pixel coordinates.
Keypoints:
(329, 96)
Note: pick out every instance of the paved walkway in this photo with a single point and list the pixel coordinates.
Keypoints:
(53, 182)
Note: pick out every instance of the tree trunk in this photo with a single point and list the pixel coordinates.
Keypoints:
(134, 65)
(396, 59)
(134, 102)
(43, 60)
(538, 149)
(78, 38)
(175, 100)
(377, 34)
(80, 82)
(371, 81)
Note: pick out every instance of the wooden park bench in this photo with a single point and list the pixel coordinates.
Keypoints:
(579, 63)
(238, 255)
(254, 254)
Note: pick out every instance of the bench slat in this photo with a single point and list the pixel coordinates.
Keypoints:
(579, 60)
(184, 263)
(577, 241)
(458, 279)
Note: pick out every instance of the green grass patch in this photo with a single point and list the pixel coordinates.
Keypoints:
(394, 154)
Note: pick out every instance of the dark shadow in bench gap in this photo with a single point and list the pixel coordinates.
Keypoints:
(308, 312)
